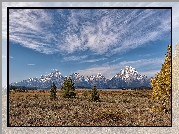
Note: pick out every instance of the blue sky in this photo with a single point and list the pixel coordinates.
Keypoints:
(87, 41)
(118, 42)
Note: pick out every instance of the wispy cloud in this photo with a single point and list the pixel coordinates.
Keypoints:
(110, 70)
(145, 55)
(31, 64)
(14, 4)
(31, 29)
(93, 60)
(116, 60)
(175, 10)
(143, 62)
(150, 73)
(100, 31)
(74, 58)
(109, 31)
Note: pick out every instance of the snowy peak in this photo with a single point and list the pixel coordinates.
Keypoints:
(126, 77)
(76, 77)
(55, 74)
(128, 72)
(99, 75)
(51, 76)
(96, 77)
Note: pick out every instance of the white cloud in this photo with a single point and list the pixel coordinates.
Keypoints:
(106, 32)
(30, 64)
(110, 70)
(29, 27)
(74, 58)
(150, 73)
(93, 60)
(96, 37)
(143, 62)
(14, 4)
(105, 70)
(121, 34)
(175, 10)
(144, 55)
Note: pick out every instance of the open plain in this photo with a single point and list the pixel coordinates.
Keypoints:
(115, 108)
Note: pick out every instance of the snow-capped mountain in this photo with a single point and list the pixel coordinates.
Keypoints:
(127, 77)
(98, 80)
(45, 81)
(79, 80)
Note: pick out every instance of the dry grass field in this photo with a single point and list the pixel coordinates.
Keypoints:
(116, 108)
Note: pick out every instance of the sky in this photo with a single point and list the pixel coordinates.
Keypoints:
(86, 41)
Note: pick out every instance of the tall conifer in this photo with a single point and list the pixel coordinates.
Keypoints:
(68, 88)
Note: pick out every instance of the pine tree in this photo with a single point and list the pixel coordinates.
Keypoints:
(94, 95)
(68, 88)
(53, 92)
(161, 84)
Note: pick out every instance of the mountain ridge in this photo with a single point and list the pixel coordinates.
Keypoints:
(127, 77)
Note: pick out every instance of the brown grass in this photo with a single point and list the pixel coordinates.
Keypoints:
(116, 108)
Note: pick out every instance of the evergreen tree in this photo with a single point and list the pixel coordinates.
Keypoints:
(53, 91)
(68, 88)
(94, 95)
(161, 84)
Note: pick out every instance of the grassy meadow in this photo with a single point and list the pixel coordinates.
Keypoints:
(116, 108)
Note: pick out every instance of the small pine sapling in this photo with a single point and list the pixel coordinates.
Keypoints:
(53, 92)
(94, 95)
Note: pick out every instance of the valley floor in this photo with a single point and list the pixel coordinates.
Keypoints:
(116, 108)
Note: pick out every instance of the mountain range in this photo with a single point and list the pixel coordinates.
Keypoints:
(127, 77)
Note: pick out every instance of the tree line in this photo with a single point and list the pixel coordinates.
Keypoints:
(21, 88)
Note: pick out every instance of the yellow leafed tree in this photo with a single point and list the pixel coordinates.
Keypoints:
(161, 84)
